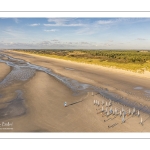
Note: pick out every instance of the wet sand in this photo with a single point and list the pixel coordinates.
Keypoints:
(44, 96)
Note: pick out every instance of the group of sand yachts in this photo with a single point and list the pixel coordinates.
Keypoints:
(107, 110)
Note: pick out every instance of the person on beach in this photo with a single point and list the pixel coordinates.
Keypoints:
(65, 104)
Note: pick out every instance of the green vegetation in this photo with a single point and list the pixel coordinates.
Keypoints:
(137, 61)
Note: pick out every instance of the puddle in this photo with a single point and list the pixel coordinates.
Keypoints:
(20, 71)
(69, 68)
(18, 74)
(138, 88)
(14, 108)
(147, 92)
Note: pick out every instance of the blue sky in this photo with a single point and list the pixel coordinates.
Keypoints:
(75, 33)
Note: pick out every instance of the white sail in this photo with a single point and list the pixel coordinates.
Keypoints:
(134, 110)
(116, 111)
(107, 113)
(113, 112)
(120, 113)
(106, 109)
(129, 111)
(94, 102)
(102, 109)
(110, 108)
(132, 113)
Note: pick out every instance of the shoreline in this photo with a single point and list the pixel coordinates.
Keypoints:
(146, 74)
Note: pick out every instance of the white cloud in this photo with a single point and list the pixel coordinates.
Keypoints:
(67, 25)
(84, 43)
(112, 21)
(86, 31)
(12, 32)
(141, 39)
(101, 22)
(58, 20)
(55, 40)
(110, 41)
(52, 30)
(34, 24)
(3, 18)
(63, 22)
(138, 20)
(122, 20)
(46, 44)
(16, 20)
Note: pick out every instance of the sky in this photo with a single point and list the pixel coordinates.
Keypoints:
(74, 33)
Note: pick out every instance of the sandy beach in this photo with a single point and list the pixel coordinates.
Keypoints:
(35, 103)
(5, 69)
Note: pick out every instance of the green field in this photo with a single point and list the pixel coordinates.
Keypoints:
(136, 61)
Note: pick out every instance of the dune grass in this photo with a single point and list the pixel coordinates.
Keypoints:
(135, 61)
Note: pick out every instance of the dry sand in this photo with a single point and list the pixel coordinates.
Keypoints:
(4, 70)
(44, 98)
